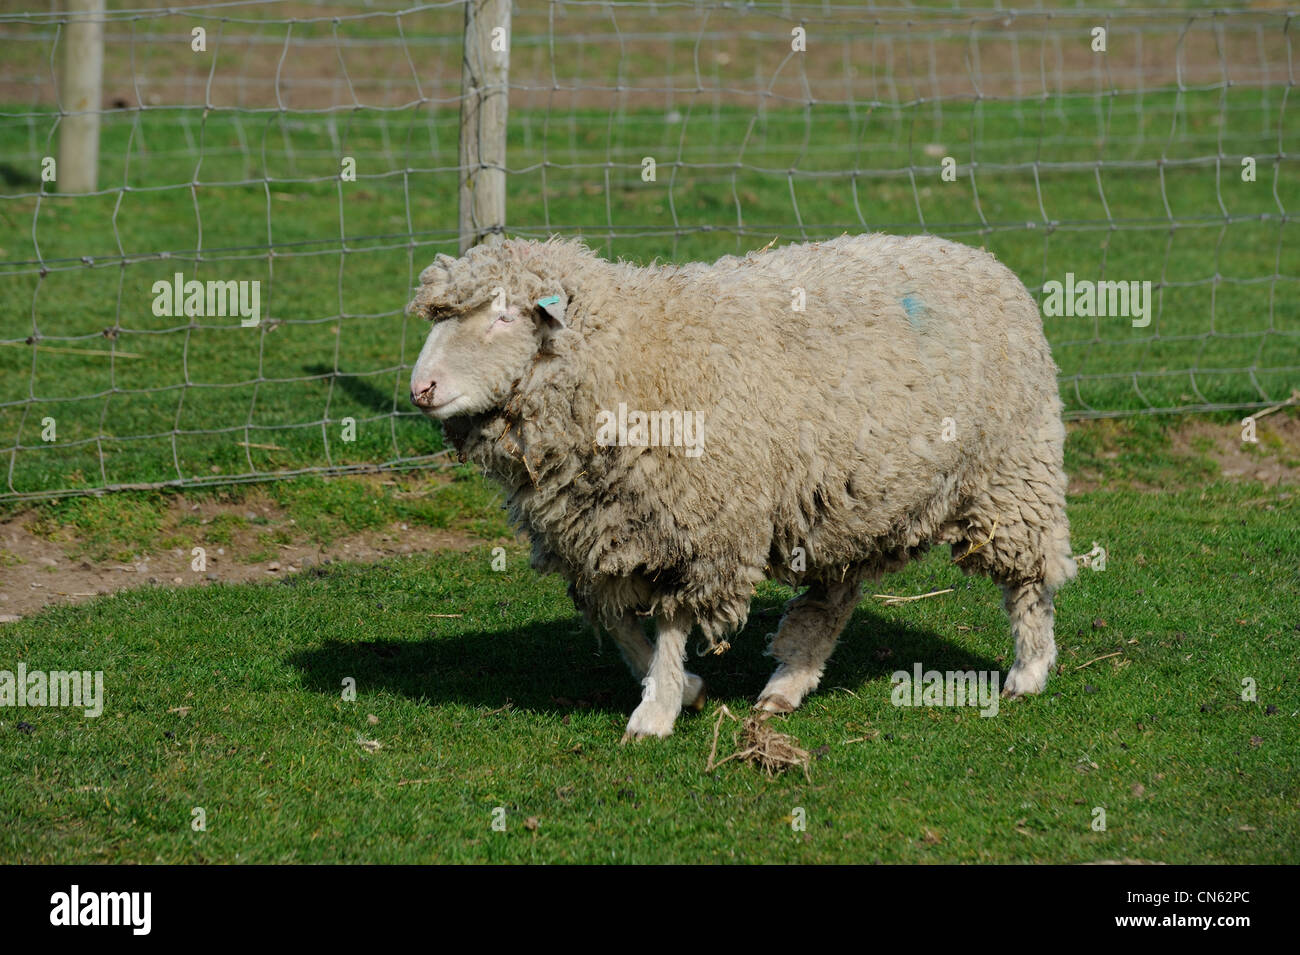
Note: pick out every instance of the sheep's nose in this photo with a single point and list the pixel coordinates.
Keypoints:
(422, 393)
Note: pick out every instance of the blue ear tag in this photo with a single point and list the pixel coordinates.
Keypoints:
(548, 301)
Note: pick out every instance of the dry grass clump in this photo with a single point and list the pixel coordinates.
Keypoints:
(758, 744)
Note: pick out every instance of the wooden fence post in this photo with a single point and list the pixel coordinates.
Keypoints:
(80, 90)
(484, 96)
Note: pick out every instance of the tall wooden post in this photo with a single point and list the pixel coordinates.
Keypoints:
(80, 89)
(484, 95)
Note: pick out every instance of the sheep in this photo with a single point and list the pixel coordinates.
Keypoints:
(854, 402)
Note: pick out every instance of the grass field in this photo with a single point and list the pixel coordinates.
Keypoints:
(229, 698)
(477, 691)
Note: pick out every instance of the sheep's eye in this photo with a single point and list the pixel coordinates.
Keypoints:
(505, 318)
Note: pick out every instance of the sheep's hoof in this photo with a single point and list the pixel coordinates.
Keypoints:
(633, 737)
(650, 719)
(697, 704)
(774, 703)
(1026, 679)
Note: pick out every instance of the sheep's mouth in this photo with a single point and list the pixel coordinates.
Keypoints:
(443, 408)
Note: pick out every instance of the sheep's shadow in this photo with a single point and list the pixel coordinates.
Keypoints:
(357, 388)
(554, 666)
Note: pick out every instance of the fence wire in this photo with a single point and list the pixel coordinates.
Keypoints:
(311, 148)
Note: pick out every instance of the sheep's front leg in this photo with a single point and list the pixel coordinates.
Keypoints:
(804, 641)
(665, 681)
(637, 653)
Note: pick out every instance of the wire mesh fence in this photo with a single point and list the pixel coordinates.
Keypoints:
(226, 304)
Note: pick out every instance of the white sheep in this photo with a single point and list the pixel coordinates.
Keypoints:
(818, 414)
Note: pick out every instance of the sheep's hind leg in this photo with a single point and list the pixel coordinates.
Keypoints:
(804, 641)
(637, 653)
(1029, 605)
(665, 681)
(1026, 550)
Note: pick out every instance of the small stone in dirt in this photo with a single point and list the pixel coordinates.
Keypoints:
(372, 719)
(9, 618)
(531, 823)
(273, 566)
(293, 569)
(153, 580)
(212, 577)
(177, 580)
(1098, 624)
(250, 516)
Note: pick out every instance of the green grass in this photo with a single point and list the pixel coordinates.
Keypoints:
(510, 706)
(335, 344)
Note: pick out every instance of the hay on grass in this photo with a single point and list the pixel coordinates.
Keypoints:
(759, 745)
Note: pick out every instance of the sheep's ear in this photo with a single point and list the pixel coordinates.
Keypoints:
(551, 309)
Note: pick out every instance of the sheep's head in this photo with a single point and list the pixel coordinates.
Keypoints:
(491, 316)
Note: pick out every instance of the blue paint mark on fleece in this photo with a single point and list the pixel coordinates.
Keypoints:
(915, 310)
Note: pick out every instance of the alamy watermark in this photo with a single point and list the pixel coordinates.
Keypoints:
(1084, 298)
(651, 429)
(947, 688)
(129, 909)
(211, 299)
(79, 689)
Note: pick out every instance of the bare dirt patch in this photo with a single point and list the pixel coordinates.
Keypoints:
(37, 571)
(1273, 460)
